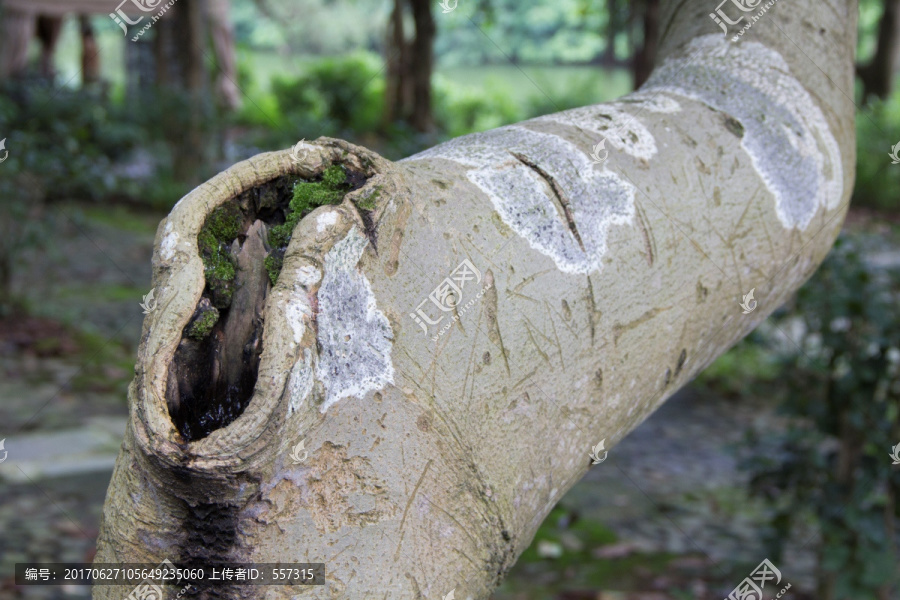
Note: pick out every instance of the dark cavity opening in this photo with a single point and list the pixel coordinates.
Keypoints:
(242, 244)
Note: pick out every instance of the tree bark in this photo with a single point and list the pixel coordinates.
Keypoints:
(562, 300)
(90, 52)
(397, 87)
(878, 76)
(422, 64)
(189, 25)
(613, 26)
(48, 30)
(410, 65)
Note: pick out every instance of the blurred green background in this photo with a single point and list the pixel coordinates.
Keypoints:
(780, 450)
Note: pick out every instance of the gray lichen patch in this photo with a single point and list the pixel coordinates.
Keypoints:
(354, 336)
(623, 130)
(502, 164)
(786, 134)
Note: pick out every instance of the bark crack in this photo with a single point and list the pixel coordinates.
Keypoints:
(562, 202)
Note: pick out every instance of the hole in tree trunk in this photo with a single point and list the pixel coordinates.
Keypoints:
(242, 243)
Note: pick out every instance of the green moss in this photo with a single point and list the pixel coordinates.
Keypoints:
(224, 222)
(368, 203)
(273, 267)
(202, 325)
(222, 226)
(307, 196)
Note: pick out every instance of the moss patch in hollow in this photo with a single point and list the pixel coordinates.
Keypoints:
(273, 265)
(203, 323)
(218, 232)
(368, 203)
(307, 196)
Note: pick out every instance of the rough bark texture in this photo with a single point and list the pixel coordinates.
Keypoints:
(601, 288)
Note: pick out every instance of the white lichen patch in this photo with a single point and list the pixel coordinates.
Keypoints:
(623, 130)
(298, 312)
(169, 243)
(354, 336)
(308, 276)
(785, 132)
(526, 201)
(326, 220)
(301, 382)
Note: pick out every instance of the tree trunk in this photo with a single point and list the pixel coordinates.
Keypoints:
(452, 339)
(17, 27)
(48, 30)
(396, 85)
(613, 26)
(422, 64)
(90, 52)
(409, 67)
(878, 76)
(643, 59)
(189, 24)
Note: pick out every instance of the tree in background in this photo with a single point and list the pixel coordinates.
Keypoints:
(647, 26)
(410, 65)
(878, 75)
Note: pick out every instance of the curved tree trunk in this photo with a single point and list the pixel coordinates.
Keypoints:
(452, 339)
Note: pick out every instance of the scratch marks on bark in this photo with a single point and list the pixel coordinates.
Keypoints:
(593, 313)
(490, 311)
(537, 346)
(558, 195)
(555, 335)
(649, 242)
(619, 329)
(408, 504)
